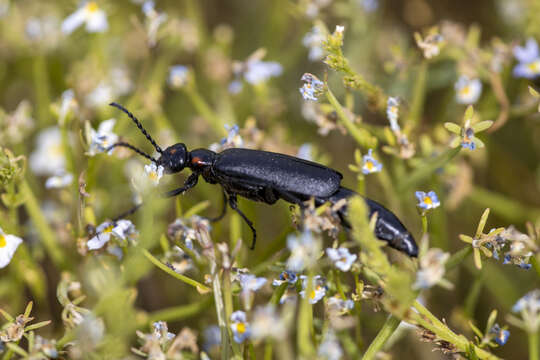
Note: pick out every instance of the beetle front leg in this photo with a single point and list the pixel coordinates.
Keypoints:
(191, 181)
(234, 205)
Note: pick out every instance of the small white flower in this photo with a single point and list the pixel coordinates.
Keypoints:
(267, 324)
(341, 257)
(102, 95)
(153, 21)
(233, 139)
(304, 251)
(329, 348)
(104, 137)
(468, 90)
(339, 306)
(305, 152)
(103, 235)
(154, 172)
(251, 283)
(161, 330)
(318, 290)
(124, 229)
(91, 15)
(178, 76)
(59, 180)
(370, 165)
(8, 246)
(48, 158)
(392, 112)
(339, 29)
(67, 104)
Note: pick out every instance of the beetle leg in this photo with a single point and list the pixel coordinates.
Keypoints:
(223, 210)
(190, 182)
(127, 213)
(234, 205)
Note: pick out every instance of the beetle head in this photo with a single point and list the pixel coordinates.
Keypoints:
(174, 158)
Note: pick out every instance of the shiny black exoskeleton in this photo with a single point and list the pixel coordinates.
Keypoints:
(267, 177)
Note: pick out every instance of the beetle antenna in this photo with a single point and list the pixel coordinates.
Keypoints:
(129, 146)
(139, 125)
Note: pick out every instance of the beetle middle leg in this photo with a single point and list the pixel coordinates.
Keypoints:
(234, 205)
(223, 210)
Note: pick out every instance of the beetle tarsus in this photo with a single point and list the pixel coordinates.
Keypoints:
(190, 182)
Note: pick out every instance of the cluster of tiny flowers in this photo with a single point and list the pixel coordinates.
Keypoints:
(313, 41)
(468, 90)
(318, 290)
(431, 269)
(304, 251)
(427, 201)
(529, 60)
(312, 87)
(8, 245)
(529, 308)
(103, 138)
(290, 278)
(341, 257)
(430, 45)
(154, 172)
(513, 245)
(369, 164)
(89, 14)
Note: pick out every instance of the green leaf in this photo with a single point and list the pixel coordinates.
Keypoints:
(453, 127)
(469, 113)
(533, 92)
(476, 330)
(482, 125)
(482, 223)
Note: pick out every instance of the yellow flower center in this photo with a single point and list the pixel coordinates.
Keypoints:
(314, 292)
(534, 66)
(427, 200)
(92, 7)
(240, 328)
(153, 176)
(393, 110)
(466, 90)
(3, 241)
(369, 165)
(108, 229)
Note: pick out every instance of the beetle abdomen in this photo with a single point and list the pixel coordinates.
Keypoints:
(279, 171)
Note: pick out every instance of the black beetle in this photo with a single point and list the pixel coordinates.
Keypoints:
(267, 177)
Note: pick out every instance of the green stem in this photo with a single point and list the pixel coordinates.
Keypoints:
(424, 224)
(361, 136)
(535, 265)
(305, 321)
(423, 172)
(185, 279)
(458, 257)
(390, 325)
(204, 110)
(181, 312)
(419, 91)
(47, 235)
(41, 88)
(534, 346)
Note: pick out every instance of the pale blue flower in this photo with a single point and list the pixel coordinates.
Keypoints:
(529, 60)
(103, 138)
(529, 303)
(178, 76)
(392, 113)
(330, 348)
(468, 90)
(59, 180)
(369, 164)
(286, 277)
(341, 257)
(312, 87)
(427, 201)
(501, 335)
(251, 283)
(370, 5)
(267, 323)
(313, 40)
(304, 152)
(259, 71)
(239, 326)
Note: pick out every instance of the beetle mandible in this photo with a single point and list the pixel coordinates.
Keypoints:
(267, 177)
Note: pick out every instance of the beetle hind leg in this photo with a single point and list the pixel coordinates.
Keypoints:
(234, 205)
